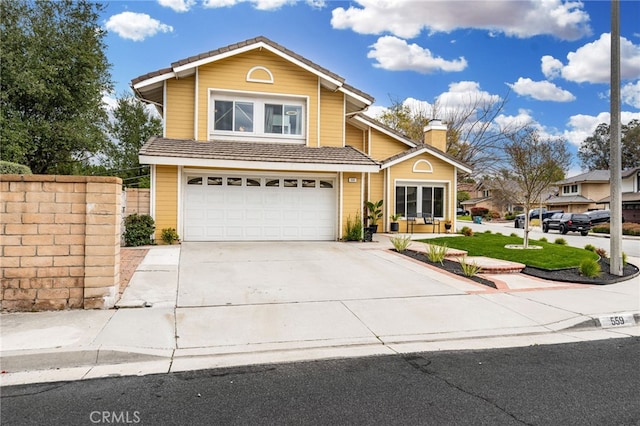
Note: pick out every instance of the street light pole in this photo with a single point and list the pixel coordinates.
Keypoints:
(615, 159)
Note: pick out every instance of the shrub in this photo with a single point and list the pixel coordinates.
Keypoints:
(543, 239)
(8, 168)
(510, 216)
(466, 231)
(488, 231)
(628, 228)
(138, 230)
(169, 235)
(602, 253)
(624, 259)
(469, 269)
(590, 268)
(494, 214)
(401, 243)
(534, 222)
(560, 241)
(590, 247)
(479, 211)
(353, 228)
(436, 253)
(513, 234)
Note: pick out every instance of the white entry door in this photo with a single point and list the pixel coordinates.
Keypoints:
(258, 208)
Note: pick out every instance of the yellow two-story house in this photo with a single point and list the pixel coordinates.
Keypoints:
(261, 144)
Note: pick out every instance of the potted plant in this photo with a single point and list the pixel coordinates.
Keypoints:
(447, 226)
(374, 213)
(395, 226)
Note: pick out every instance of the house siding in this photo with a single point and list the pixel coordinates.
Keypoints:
(166, 206)
(356, 138)
(382, 146)
(332, 118)
(231, 74)
(179, 108)
(595, 191)
(352, 198)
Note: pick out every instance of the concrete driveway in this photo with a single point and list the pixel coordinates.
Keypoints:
(222, 274)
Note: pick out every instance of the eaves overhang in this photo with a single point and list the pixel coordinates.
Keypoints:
(258, 165)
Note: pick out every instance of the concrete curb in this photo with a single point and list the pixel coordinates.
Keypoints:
(24, 362)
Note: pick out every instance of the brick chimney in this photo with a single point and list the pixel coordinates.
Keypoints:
(435, 134)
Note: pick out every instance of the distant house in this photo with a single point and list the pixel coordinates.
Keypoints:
(591, 191)
(630, 196)
(260, 143)
(484, 194)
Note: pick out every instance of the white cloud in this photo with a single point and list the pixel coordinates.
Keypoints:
(463, 94)
(136, 26)
(260, 4)
(178, 5)
(591, 63)
(541, 90)
(551, 67)
(407, 18)
(523, 118)
(392, 53)
(582, 126)
(630, 94)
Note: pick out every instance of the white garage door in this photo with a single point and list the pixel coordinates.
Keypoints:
(258, 208)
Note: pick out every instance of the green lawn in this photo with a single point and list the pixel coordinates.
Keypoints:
(551, 256)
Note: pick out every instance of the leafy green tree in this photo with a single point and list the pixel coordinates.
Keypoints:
(131, 127)
(533, 165)
(594, 150)
(54, 73)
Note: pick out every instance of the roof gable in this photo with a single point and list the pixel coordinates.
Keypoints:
(145, 84)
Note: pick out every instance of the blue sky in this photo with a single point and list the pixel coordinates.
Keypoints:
(550, 57)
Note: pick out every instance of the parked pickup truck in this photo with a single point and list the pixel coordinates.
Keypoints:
(565, 222)
(534, 214)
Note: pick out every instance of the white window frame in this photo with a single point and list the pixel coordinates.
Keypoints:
(423, 184)
(259, 100)
(569, 189)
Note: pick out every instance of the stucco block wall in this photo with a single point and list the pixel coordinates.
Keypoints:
(138, 201)
(60, 242)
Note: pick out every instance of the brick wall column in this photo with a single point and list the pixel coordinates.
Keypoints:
(102, 244)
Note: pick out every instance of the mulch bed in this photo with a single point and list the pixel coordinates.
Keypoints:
(449, 266)
(570, 275)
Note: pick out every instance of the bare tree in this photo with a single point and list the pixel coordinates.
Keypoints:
(533, 165)
(475, 135)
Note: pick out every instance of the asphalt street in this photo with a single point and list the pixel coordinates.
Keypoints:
(590, 383)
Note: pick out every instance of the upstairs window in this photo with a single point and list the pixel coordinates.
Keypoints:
(234, 116)
(260, 117)
(570, 189)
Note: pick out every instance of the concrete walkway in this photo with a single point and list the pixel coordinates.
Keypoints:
(207, 305)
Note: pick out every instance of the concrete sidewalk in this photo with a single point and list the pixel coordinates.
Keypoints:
(207, 305)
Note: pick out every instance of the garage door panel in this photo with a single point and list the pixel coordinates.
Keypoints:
(302, 210)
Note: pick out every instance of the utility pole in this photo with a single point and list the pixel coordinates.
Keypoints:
(615, 152)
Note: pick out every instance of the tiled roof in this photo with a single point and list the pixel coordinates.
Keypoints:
(626, 198)
(592, 176)
(252, 151)
(569, 199)
(429, 148)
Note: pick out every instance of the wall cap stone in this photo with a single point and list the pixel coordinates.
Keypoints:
(61, 178)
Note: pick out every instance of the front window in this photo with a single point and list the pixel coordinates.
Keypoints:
(412, 200)
(257, 117)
